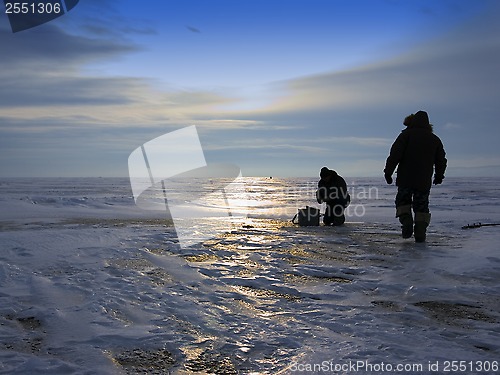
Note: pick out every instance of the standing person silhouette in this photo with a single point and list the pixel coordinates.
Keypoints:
(417, 153)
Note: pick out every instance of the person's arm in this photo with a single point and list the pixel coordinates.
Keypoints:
(345, 198)
(320, 193)
(440, 164)
(395, 156)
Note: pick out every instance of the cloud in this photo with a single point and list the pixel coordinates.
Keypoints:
(359, 141)
(48, 99)
(360, 110)
(323, 145)
(50, 47)
(452, 126)
(476, 161)
(43, 79)
(192, 98)
(488, 165)
(41, 67)
(42, 90)
(460, 69)
(260, 143)
(359, 167)
(459, 77)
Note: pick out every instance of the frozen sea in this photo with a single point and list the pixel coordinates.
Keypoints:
(92, 283)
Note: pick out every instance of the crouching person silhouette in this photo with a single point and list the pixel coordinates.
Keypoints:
(332, 190)
(417, 153)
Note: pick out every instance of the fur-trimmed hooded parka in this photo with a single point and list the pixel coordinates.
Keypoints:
(417, 152)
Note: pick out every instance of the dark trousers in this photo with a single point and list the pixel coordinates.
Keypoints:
(334, 213)
(417, 199)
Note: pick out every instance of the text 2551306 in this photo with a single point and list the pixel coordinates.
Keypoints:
(33, 8)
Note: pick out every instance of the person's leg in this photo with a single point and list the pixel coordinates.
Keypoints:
(422, 214)
(403, 211)
(328, 216)
(338, 213)
(334, 213)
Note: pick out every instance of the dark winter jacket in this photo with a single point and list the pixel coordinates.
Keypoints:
(417, 152)
(332, 189)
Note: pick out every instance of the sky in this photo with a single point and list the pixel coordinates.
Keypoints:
(277, 88)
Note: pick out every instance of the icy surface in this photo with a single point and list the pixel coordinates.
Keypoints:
(90, 283)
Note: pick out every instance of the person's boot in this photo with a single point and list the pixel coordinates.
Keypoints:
(406, 220)
(422, 221)
(338, 220)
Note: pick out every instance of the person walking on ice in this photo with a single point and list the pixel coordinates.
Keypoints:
(417, 153)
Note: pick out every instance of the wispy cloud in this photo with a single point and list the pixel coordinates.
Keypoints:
(458, 69)
(48, 98)
(42, 77)
(307, 145)
(359, 141)
(452, 126)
